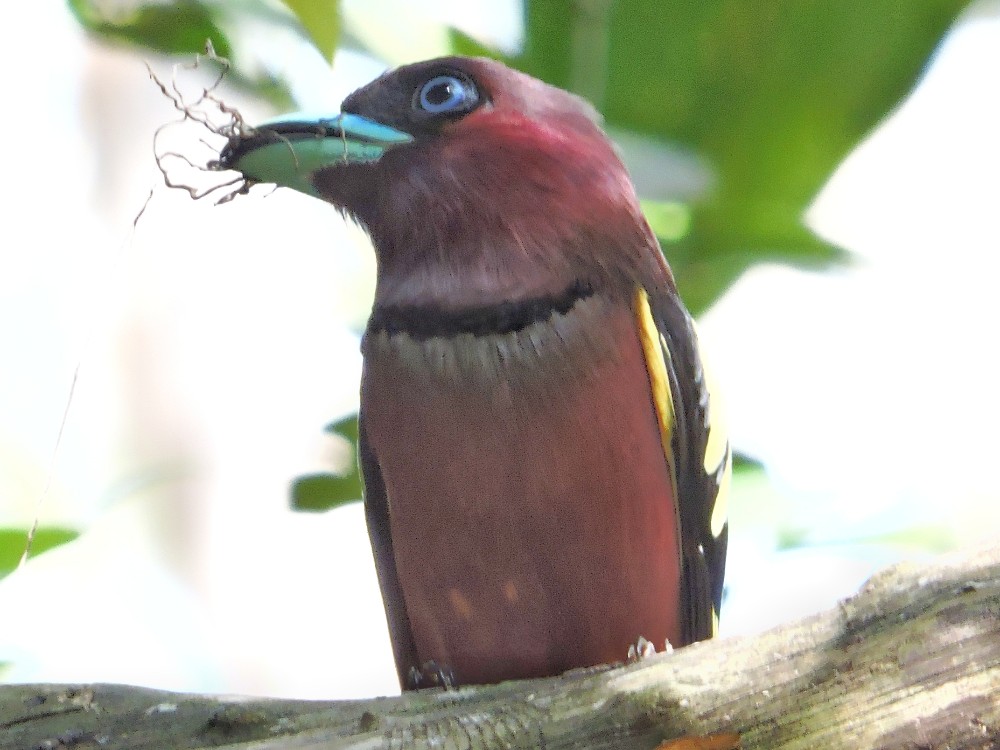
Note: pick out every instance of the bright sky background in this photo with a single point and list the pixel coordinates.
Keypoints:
(215, 342)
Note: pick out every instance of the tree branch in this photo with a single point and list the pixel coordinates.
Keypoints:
(912, 661)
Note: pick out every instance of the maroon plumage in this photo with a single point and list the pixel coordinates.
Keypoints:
(534, 419)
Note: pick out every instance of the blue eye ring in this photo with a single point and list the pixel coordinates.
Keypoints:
(446, 93)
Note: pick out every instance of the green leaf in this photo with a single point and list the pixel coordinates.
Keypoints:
(927, 538)
(547, 52)
(319, 492)
(277, 91)
(321, 21)
(670, 221)
(347, 428)
(463, 44)
(771, 95)
(179, 27)
(13, 541)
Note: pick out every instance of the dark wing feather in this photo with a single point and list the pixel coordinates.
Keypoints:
(377, 518)
(701, 489)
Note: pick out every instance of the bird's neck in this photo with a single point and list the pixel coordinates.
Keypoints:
(422, 321)
(456, 228)
(494, 346)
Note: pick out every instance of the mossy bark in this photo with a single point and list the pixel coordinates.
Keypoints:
(911, 661)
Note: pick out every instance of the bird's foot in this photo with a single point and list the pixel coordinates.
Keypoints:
(430, 675)
(643, 649)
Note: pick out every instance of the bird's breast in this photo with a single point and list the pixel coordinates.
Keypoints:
(531, 509)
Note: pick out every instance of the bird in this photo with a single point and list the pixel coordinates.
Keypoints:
(546, 468)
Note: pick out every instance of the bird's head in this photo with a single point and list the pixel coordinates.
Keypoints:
(476, 183)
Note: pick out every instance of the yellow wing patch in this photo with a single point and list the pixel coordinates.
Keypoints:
(720, 510)
(718, 458)
(654, 349)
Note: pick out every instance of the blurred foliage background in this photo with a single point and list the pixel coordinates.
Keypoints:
(731, 116)
(760, 101)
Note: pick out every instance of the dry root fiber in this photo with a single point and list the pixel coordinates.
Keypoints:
(222, 124)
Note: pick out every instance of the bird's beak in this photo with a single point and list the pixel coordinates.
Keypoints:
(289, 150)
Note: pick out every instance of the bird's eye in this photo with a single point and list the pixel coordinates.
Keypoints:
(446, 94)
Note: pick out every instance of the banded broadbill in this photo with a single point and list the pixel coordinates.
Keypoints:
(544, 481)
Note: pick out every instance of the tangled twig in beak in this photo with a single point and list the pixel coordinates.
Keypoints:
(215, 116)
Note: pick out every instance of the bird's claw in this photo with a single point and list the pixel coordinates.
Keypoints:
(431, 675)
(643, 649)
